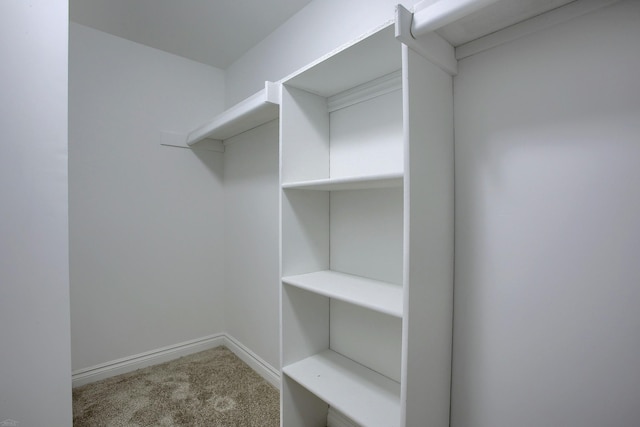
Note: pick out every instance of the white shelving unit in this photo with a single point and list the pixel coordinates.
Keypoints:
(366, 171)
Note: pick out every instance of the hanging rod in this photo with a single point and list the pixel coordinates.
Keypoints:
(443, 12)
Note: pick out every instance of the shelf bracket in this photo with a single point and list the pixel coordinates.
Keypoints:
(430, 45)
(179, 140)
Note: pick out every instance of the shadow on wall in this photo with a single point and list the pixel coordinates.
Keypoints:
(211, 160)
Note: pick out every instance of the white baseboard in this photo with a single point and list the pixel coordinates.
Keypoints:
(254, 361)
(165, 354)
(142, 360)
(337, 419)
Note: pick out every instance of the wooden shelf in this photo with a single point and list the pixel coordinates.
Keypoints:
(248, 114)
(372, 294)
(349, 183)
(361, 394)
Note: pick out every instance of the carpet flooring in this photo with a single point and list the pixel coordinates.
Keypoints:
(212, 388)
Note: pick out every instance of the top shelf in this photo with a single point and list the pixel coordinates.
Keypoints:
(368, 58)
(248, 114)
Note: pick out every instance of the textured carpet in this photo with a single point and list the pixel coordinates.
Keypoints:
(212, 388)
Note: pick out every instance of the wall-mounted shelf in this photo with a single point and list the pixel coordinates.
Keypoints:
(248, 114)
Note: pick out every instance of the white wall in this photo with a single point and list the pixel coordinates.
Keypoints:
(319, 28)
(35, 371)
(547, 228)
(146, 221)
(252, 278)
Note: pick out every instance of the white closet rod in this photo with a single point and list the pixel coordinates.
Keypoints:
(442, 13)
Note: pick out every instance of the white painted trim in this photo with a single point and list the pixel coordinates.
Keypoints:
(254, 361)
(142, 360)
(364, 92)
(530, 26)
(337, 419)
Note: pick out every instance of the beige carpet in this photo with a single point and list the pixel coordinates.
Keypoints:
(212, 388)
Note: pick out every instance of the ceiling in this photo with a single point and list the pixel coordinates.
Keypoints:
(214, 32)
(217, 32)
